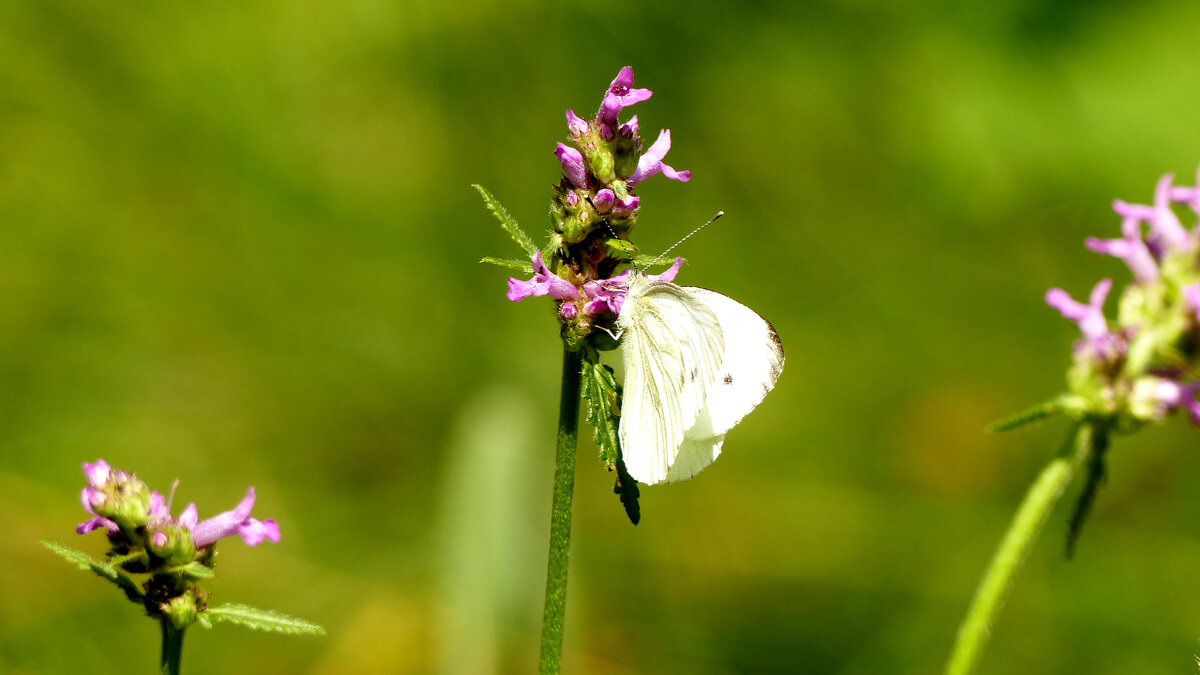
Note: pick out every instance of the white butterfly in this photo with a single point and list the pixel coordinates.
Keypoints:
(696, 363)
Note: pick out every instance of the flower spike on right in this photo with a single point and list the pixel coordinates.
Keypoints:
(1126, 372)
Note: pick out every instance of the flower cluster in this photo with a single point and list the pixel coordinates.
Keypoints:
(594, 208)
(1145, 364)
(146, 539)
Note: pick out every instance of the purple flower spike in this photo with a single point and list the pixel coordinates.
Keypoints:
(542, 283)
(1129, 248)
(572, 163)
(237, 521)
(1089, 317)
(651, 162)
(620, 95)
(576, 126)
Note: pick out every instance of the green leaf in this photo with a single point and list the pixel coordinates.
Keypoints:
(104, 570)
(603, 397)
(643, 262)
(620, 248)
(195, 570)
(1091, 487)
(1036, 413)
(507, 222)
(512, 263)
(262, 619)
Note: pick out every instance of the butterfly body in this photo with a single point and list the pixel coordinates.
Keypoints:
(696, 362)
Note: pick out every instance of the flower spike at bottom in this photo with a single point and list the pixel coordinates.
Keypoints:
(172, 554)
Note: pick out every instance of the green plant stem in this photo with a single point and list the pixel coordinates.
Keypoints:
(560, 515)
(1022, 533)
(172, 647)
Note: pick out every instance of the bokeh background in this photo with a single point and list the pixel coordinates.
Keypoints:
(238, 246)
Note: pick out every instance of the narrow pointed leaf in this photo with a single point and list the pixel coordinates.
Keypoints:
(507, 222)
(522, 266)
(104, 570)
(1028, 416)
(262, 619)
(626, 488)
(1091, 487)
(603, 397)
(195, 570)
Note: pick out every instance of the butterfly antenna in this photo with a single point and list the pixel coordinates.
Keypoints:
(676, 244)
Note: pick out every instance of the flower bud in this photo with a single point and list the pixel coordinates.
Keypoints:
(181, 610)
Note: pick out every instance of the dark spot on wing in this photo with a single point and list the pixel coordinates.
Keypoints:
(695, 372)
(728, 379)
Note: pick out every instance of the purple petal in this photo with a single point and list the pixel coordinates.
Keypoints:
(572, 163)
(568, 310)
(95, 523)
(253, 531)
(630, 128)
(624, 207)
(189, 516)
(620, 95)
(1129, 248)
(223, 525)
(1089, 317)
(158, 508)
(97, 474)
(603, 201)
(1191, 293)
(542, 283)
(576, 126)
(519, 290)
(651, 163)
(90, 497)
(1176, 395)
(605, 296)
(159, 539)
(1166, 224)
(669, 274)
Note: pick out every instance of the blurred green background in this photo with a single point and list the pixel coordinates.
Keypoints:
(238, 246)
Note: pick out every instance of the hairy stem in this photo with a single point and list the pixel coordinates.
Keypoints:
(172, 647)
(560, 515)
(1022, 532)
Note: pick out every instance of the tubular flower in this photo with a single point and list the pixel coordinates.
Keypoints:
(229, 523)
(542, 283)
(651, 162)
(620, 95)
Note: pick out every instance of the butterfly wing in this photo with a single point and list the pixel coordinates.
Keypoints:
(672, 348)
(752, 363)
